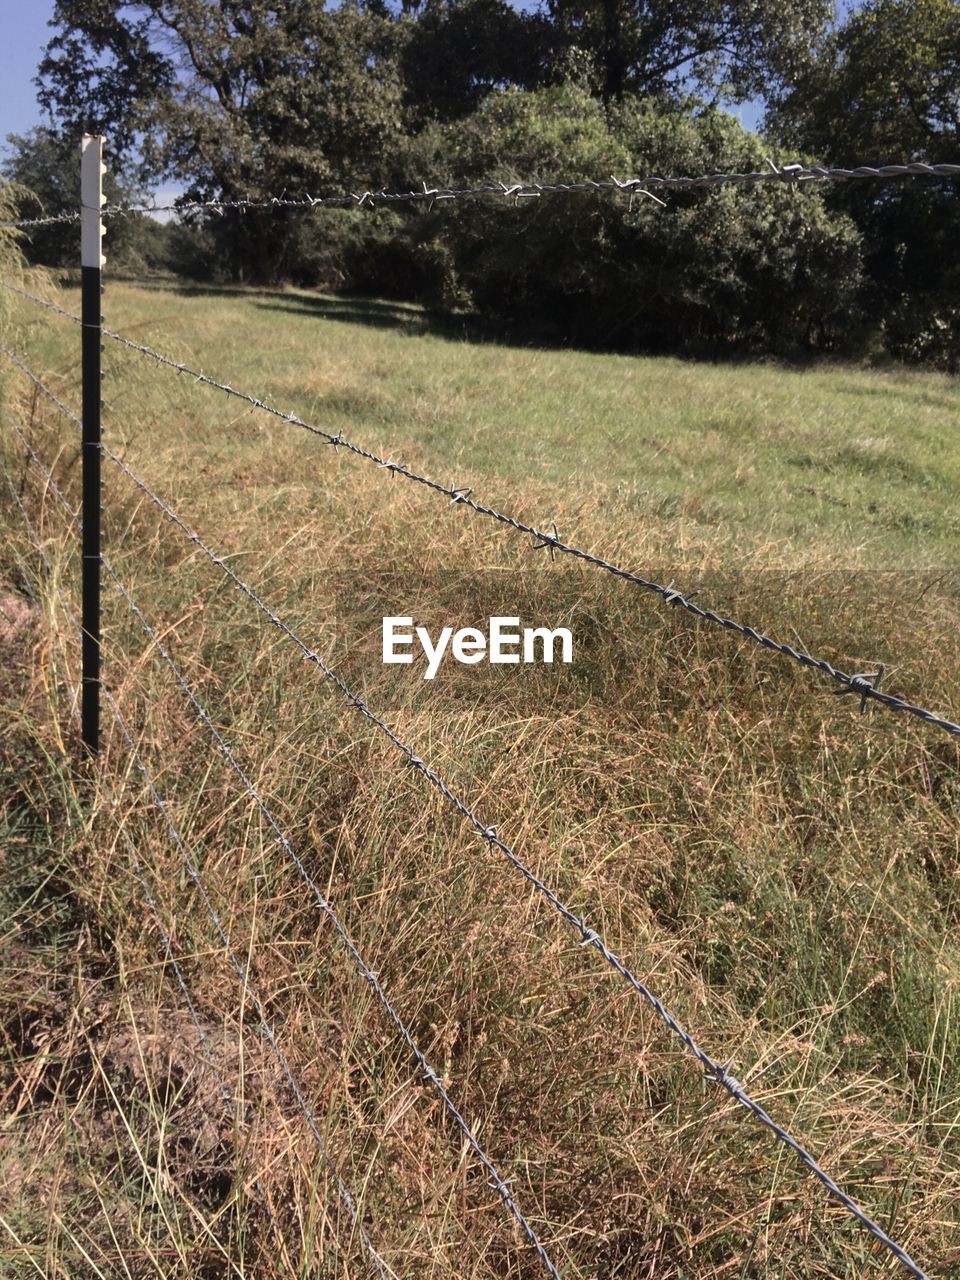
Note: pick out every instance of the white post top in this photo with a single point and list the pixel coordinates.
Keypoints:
(92, 201)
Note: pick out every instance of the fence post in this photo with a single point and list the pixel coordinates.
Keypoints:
(91, 264)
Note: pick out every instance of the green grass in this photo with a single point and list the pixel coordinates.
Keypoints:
(782, 871)
(759, 464)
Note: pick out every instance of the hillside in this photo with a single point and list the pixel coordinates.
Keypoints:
(782, 871)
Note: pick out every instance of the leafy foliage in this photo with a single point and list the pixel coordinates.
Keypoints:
(644, 46)
(250, 98)
(888, 85)
(456, 54)
(233, 99)
(720, 270)
(44, 168)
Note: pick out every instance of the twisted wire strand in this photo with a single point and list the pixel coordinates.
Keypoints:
(137, 866)
(718, 1072)
(790, 175)
(500, 1184)
(863, 684)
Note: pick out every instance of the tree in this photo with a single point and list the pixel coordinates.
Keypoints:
(45, 168)
(886, 83)
(886, 87)
(233, 99)
(459, 51)
(39, 163)
(740, 47)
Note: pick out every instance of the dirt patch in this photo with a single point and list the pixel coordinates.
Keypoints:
(78, 1053)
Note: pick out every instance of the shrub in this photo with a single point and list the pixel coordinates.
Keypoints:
(722, 269)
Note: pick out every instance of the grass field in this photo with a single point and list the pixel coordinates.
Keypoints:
(782, 871)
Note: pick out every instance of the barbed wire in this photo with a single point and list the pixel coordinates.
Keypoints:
(242, 972)
(346, 1198)
(864, 684)
(792, 175)
(500, 1184)
(717, 1072)
(43, 302)
(137, 866)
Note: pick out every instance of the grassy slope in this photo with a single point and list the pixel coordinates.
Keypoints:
(784, 873)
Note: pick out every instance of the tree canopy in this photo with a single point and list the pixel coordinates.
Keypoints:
(648, 46)
(224, 88)
(886, 83)
(250, 98)
(229, 97)
(886, 87)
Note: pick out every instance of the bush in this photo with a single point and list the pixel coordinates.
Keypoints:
(913, 276)
(724, 269)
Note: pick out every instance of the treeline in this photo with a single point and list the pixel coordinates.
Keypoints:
(253, 99)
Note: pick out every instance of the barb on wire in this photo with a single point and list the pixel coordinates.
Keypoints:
(861, 684)
(362, 966)
(793, 174)
(713, 1069)
(464, 497)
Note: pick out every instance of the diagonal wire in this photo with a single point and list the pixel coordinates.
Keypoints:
(383, 1269)
(719, 1073)
(863, 684)
(500, 1184)
(135, 861)
(789, 175)
(242, 973)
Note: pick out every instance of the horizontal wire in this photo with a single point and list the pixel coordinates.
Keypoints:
(864, 685)
(790, 175)
(719, 1073)
(501, 1185)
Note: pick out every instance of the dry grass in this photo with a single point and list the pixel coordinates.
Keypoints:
(782, 872)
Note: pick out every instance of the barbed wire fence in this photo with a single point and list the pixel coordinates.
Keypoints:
(500, 1184)
(791, 175)
(864, 685)
(719, 1073)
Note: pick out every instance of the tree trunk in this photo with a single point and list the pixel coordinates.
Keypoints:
(614, 60)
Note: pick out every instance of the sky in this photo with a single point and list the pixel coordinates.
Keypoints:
(25, 33)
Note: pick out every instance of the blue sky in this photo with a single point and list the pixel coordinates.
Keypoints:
(25, 33)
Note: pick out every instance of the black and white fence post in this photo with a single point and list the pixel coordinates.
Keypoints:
(91, 264)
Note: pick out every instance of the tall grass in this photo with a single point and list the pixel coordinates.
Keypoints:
(781, 870)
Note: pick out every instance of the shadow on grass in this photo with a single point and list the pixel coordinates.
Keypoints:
(376, 313)
(409, 318)
(416, 320)
(379, 313)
